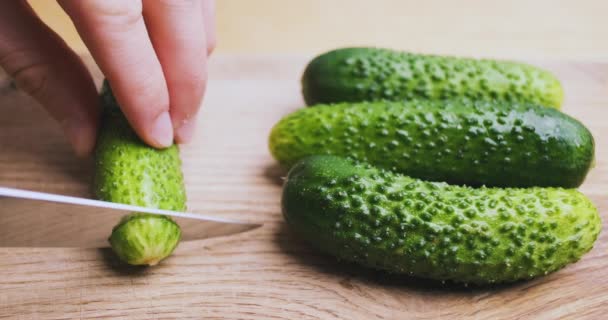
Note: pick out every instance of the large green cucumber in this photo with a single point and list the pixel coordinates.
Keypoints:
(363, 74)
(434, 230)
(457, 141)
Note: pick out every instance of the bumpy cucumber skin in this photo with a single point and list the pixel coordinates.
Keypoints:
(456, 141)
(129, 171)
(144, 239)
(434, 230)
(366, 74)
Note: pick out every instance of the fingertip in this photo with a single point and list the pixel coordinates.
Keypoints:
(211, 43)
(161, 131)
(185, 132)
(119, 40)
(208, 7)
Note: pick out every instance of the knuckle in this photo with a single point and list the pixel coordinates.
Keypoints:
(178, 3)
(116, 12)
(30, 72)
(34, 79)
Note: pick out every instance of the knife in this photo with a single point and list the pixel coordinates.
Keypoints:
(37, 219)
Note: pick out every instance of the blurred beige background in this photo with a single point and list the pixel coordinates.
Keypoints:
(552, 29)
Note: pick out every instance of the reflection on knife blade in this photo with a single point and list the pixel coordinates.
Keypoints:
(36, 219)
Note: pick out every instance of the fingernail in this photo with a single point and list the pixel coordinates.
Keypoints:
(162, 130)
(186, 130)
(78, 135)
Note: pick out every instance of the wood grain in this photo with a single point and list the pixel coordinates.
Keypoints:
(266, 273)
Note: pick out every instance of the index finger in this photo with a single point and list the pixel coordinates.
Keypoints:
(177, 33)
(115, 33)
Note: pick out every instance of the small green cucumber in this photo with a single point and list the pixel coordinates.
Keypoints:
(129, 171)
(144, 239)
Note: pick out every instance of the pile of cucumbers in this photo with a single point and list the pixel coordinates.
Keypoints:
(437, 167)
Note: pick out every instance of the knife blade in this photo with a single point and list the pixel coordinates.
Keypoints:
(37, 219)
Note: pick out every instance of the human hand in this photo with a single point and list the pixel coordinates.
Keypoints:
(153, 53)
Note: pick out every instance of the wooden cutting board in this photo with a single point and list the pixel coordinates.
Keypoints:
(266, 273)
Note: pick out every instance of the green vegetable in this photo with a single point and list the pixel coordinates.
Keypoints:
(456, 141)
(359, 74)
(434, 230)
(128, 171)
(144, 239)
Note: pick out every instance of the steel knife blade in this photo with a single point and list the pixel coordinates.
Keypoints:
(37, 219)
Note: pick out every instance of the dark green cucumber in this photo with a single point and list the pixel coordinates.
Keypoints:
(129, 171)
(456, 141)
(434, 230)
(364, 74)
